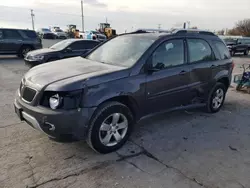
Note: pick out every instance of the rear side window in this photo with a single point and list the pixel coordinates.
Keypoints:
(76, 46)
(199, 51)
(30, 34)
(223, 50)
(11, 34)
(89, 44)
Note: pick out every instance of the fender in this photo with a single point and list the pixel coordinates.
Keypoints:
(222, 74)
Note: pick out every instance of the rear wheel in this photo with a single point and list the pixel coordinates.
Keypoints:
(110, 127)
(216, 98)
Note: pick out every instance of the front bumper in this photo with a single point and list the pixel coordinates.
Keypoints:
(54, 123)
(31, 63)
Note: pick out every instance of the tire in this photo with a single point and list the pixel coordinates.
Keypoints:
(211, 106)
(246, 52)
(108, 114)
(232, 53)
(23, 51)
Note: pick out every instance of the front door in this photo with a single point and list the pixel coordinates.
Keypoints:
(168, 78)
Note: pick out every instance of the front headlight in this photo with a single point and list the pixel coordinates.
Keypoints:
(62, 100)
(36, 58)
(55, 101)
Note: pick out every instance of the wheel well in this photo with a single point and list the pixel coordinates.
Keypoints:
(26, 45)
(129, 102)
(225, 81)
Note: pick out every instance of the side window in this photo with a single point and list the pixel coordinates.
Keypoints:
(76, 45)
(1, 34)
(199, 51)
(11, 34)
(168, 54)
(89, 44)
(223, 50)
(30, 34)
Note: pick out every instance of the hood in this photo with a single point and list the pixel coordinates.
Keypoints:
(41, 51)
(58, 71)
(60, 33)
(230, 43)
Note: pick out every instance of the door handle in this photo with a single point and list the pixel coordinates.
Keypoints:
(182, 72)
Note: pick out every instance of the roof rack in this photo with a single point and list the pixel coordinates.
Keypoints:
(144, 30)
(185, 31)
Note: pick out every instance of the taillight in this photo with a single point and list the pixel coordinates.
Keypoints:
(233, 65)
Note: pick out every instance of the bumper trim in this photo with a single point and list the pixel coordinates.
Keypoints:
(34, 122)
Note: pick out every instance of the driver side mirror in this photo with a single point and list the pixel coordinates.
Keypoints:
(150, 68)
(68, 49)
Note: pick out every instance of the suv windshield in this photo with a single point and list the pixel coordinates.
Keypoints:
(123, 50)
(61, 45)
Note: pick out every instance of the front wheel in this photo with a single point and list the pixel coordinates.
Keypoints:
(246, 52)
(110, 127)
(23, 51)
(216, 98)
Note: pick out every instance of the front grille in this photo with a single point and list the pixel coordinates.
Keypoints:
(28, 94)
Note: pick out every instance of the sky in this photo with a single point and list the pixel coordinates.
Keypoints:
(124, 15)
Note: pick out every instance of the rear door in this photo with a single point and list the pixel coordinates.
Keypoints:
(1, 42)
(12, 41)
(202, 61)
(167, 84)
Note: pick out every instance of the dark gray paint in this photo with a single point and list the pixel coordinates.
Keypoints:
(148, 92)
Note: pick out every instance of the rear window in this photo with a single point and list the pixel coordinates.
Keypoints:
(223, 50)
(30, 34)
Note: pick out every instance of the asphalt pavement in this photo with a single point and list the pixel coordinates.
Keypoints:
(183, 149)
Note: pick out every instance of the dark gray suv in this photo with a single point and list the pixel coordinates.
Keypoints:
(101, 96)
(18, 41)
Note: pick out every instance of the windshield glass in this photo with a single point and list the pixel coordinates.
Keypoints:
(45, 30)
(61, 45)
(95, 32)
(59, 30)
(123, 50)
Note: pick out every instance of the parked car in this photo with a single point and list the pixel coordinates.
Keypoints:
(235, 45)
(100, 97)
(93, 35)
(18, 41)
(46, 33)
(64, 49)
(246, 41)
(60, 34)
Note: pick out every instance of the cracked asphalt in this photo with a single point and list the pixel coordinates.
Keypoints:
(183, 149)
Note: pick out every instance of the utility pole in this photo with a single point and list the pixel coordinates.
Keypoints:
(106, 20)
(82, 16)
(32, 18)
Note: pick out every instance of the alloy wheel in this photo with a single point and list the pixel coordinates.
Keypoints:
(113, 129)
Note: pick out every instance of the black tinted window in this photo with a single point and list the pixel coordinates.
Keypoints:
(199, 50)
(223, 50)
(77, 46)
(1, 34)
(30, 34)
(11, 34)
(170, 53)
(90, 44)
